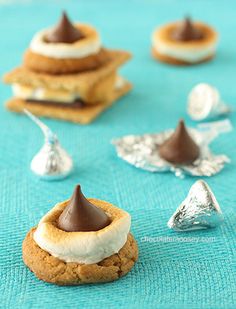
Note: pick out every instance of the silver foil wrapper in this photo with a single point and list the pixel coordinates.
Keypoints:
(142, 152)
(200, 210)
(204, 102)
(52, 162)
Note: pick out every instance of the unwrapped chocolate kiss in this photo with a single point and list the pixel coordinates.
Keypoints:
(80, 215)
(187, 31)
(64, 32)
(180, 148)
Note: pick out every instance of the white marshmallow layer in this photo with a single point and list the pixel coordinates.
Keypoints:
(191, 54)
(79, 49)
(82, 247)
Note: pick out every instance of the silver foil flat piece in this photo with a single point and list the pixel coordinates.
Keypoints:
(200, 210)
(52, 162)
(142, 152)
(204, 102)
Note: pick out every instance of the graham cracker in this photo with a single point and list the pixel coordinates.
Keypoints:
(84, 83)
(82, 115)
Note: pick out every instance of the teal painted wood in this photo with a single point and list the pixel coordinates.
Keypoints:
(168, 274)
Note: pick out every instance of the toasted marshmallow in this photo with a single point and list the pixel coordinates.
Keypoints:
(22, 91)
(26, 92)
(44, 94)
(87, 46)
(83, 247)
(192, 51)
(119, 82)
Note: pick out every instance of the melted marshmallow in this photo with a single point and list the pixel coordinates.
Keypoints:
(82, 247)
(190, 54)
(44, 94)
(80, 49)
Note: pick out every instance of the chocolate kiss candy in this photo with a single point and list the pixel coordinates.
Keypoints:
(204, 102)
(52, 162)
(186, 31)
(200, 210)
(64, 32)
(82, 216)
(179, 148)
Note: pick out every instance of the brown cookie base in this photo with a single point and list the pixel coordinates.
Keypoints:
(82, 115)
(166, 59)
(52, 270)
(48, 65)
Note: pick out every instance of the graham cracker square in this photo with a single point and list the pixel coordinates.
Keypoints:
(92, 86)
(82, 115)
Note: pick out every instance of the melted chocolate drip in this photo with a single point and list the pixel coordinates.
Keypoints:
(82, 216)
(78, 103)
(179, 148)
(64, 32)
(186, 31)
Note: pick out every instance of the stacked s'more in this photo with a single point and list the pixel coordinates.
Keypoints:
(67, 74)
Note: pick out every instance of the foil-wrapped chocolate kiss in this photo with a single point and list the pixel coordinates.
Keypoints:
(200, 210)
(204, 102)
(52, 162)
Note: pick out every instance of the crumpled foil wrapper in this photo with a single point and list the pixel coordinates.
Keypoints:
(52, 162)
(200, 210)
(142, 152)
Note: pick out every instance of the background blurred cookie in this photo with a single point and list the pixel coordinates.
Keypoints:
(184, 42)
